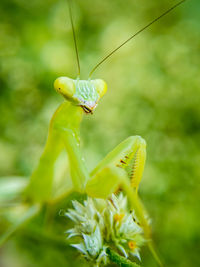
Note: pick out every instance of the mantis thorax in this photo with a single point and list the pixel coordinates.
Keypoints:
(84, 93)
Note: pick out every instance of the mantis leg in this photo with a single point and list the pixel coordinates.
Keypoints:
(129, 155)
(123, 168)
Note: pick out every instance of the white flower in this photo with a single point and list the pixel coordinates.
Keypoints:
(103, 223)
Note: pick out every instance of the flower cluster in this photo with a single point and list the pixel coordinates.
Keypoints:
(100, 224)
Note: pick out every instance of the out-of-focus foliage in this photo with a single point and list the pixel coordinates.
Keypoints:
(153, 91)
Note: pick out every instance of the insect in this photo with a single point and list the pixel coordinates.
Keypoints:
(121, 168)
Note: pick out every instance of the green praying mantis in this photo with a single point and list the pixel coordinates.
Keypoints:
(121, 169)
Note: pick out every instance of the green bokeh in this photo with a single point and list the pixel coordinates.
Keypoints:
(153, 91)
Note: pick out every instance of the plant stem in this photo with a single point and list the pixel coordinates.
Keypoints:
(120, 260)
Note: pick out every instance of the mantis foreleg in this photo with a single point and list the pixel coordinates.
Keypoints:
(123, 168)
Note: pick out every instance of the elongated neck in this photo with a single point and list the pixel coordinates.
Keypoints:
(67, 117)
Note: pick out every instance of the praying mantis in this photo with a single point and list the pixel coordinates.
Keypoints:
(121, 169)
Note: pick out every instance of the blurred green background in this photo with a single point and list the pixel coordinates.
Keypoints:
(153, 91)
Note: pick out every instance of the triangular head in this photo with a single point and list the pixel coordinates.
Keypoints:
(84, 93)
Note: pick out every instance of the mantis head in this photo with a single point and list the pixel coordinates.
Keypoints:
(84, 93)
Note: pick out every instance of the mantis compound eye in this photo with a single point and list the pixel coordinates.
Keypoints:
(100, 86)
(65, 86)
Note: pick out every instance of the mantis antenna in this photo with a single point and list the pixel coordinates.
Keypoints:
(130, 38)
(74, 37)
